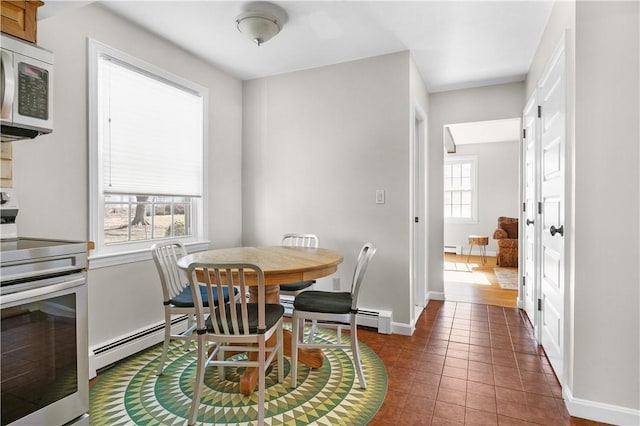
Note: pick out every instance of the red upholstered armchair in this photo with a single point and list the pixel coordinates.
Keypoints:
(507, 237)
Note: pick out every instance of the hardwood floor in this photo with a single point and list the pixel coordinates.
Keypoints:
(473, 282)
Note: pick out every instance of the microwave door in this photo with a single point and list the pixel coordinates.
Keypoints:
(33, 105)
(8, 86)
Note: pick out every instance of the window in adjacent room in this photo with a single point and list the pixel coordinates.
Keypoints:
(147, 149)
(460, 197)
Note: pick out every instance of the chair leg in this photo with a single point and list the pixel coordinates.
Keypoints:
(187, 341)
(167, 339)
(220, 366)
(280, 337)
(355, 349)
(197, 385)
(312, 332)
(295, 336)
(261, 379)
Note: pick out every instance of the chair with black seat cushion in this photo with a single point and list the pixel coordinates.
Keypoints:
(241, 326)
(298, 240)
(337, 310)
(176, 294)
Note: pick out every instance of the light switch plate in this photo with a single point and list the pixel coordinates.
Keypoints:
(379, 196)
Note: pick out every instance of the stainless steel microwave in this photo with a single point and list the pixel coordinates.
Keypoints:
(27, 89)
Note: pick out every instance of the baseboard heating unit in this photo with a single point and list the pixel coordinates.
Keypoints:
(376, 319)
(453, 249)
(380, 320)
(120, 348)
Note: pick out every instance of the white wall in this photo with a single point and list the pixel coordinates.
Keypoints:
(498, 192)
(51, 172)
(316, 146)
(563, 17)
(607, 225)
(459, 106)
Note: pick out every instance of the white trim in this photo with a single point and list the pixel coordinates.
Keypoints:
(113, 259)
(600, 412)
(435, 295)
(402, 328)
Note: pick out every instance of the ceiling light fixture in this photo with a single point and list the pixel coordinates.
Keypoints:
(260, 25)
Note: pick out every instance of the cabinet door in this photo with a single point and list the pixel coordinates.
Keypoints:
(19, 19)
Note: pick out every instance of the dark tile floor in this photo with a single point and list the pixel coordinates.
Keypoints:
(468, 364)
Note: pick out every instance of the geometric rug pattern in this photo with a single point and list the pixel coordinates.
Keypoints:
(130, 393)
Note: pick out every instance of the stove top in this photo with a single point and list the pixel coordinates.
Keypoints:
(24, 259)
(12, 244)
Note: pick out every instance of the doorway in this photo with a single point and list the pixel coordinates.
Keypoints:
(481, 175)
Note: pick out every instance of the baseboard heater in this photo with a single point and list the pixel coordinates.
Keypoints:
(115, 350)
(287, 302)
(453, 249)
(376, 319)
(380, 320)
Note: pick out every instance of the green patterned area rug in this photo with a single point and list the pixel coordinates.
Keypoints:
(130, 393)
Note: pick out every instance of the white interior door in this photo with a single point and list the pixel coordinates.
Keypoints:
(551, 93)
(419, 275)
(529, 292)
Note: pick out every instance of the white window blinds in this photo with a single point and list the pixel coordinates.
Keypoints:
(150, 132)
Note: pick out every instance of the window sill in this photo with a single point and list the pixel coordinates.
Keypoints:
(115, 259)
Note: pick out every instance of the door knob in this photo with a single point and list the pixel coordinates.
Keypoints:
(555, 230)
(529, 222)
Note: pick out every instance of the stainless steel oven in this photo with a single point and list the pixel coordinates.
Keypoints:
(44, 339)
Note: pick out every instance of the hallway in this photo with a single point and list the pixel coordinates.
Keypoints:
(468, 364)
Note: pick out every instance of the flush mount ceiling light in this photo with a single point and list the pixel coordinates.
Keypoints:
(261, 21)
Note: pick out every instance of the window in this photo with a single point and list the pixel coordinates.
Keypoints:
(460, 198)
(147, 149)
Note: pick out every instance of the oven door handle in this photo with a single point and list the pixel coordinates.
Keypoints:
(34, 293)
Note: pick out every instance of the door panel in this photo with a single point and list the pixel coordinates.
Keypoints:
(552, 195)
(530, 197)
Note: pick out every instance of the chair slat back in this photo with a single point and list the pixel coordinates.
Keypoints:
(172, 278)
(300, 240)
(366, 253)
(217, 276)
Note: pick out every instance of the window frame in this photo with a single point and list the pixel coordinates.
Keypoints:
(132, 251)
(473, 161)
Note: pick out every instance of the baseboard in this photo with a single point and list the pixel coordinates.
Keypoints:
(435, 295)
(402, 328)
(600, 412)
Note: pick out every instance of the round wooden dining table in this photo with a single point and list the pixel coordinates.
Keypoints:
(281, 265)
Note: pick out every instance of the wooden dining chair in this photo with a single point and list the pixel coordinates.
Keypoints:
(240, 326)
(176, 294)
(337, 310)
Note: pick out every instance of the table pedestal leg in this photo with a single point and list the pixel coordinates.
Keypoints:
(312, 358)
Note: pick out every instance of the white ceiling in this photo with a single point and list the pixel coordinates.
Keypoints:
(455, 44)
